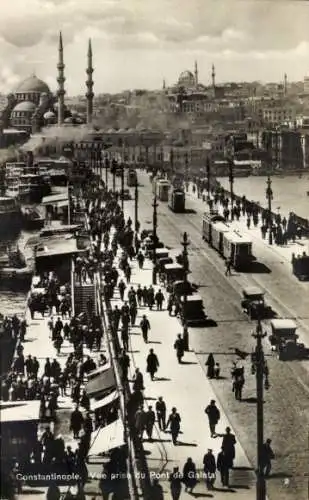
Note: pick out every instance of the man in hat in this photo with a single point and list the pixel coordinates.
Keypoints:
(267, 457)
(209, 463)
(213, 417)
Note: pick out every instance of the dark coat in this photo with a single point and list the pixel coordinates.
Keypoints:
(152, 363)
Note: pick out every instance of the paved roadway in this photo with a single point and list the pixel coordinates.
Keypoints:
(288, 394)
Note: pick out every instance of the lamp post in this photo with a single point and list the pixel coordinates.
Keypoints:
(185, 243)
(269, 197)
(154, 226)
(208, 177)
(172, 162)
(114, 174)
(136, 206)
(260, 368)
(122, 187)
(231, 180)
(186, 170)
(107, 165)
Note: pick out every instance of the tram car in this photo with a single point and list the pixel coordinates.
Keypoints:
(131, 178)
(163, 187)
(176, 200)
(300, 265)
(230, 244)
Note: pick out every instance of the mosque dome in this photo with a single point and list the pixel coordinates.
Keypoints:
(33, 84)
(25, 106)
(186, 78)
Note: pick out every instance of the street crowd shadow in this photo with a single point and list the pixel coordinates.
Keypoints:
(162, 379)
(240, 487)
(189, 211)
(188, 363)
(243, 468)
(225, 490)
(148, 398)
(158, 440)
(210, 323)
(181, 443)
(154, 342)
(250, 400)
(202, 495)
(258, 268)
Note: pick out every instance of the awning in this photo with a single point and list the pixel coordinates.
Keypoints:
(107, 438)
(104, 381)
(111, 398)
(97, 371)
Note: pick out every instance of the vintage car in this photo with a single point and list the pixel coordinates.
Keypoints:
(253, 303)
(179, 288)
(148, 246)
(173, 272)
(191, 310)
(162, 253)
(283, 339)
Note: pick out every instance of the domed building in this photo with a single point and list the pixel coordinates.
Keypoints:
(187, 79)
(32, 105)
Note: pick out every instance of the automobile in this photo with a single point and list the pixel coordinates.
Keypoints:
(283, 339)
(192, 310)
(180, 288)
(126, 195)
(253, 303)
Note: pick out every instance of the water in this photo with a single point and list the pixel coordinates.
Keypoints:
(13, 302)
(289, 193)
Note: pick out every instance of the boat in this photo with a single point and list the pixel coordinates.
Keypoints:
(32, 220)
(25, 183)
(14, 270)
(10, 216)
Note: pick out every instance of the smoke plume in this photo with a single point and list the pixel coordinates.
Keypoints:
(55, 136)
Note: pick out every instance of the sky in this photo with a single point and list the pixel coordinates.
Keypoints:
(138, 43)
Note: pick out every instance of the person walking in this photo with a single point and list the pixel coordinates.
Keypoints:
(223, 466)
(175, 483)
(210, 363)
(209, 463)
(228, 446)
(159, 299)
(267, 456)
(228, 267)
(174, 423)
(121, 288)
(138, 384)
(161, 413)
(179, 347)
(150, 419)
(124, 362)
(152, 364)
(213, 417)
(76, 422)
(189, 475)
(145, 327)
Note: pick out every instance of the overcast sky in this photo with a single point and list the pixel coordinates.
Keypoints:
(137, 43)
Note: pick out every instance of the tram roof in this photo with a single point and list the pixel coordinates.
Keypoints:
(237, 238)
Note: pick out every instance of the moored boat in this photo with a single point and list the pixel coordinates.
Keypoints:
(32, 220)
(10, 216)
(14, 270)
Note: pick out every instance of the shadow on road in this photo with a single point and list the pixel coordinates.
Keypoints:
(258, 268)
(190, 211)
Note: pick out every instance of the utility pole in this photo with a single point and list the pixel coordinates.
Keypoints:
(136, 206)
(185, 243)
(208, 177)
(231, 179)
(154, 226)
(107, 164)
(186, 170)
(122, 187)
(261, 370)
(172, 162)
(114, 174)
(269, 197)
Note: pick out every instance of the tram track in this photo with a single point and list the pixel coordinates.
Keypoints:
(221, 296)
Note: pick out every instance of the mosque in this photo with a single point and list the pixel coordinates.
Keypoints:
(33, 106)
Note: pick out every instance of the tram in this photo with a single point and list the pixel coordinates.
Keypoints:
(131, 178)
(176, 200)
(163, 186)
(230, 244)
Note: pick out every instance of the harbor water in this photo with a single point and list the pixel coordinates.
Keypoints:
(289, 192)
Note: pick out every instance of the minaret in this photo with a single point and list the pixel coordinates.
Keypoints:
(89, 83)
(164, 84)
(213, 76)
(196, 73)
(285, 84)
(60, 81)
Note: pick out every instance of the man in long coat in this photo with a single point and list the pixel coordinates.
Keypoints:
(152, 363)
(77, 421)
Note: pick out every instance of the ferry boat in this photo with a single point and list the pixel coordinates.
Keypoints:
(14, 270)
(10, 216)
(25, 183)
(32, 220)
